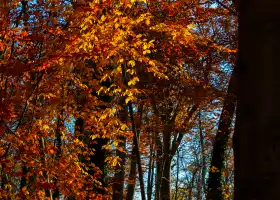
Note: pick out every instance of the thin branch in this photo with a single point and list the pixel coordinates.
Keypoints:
(178, 140)
(226, 7)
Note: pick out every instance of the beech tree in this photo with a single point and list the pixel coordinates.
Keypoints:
(105, 99)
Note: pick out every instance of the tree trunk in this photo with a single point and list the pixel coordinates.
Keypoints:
(150, 173)
(214, 190)
(58, 144)
(99, 154)
(257, 133)
(203, 156)
(158, 166)
(118, 186)
(167, 158)
(132, 173)
(177, 174)
(133, 165)
(135, 138)
(137, 152)
(165, 180)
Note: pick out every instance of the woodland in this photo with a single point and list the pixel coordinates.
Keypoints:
(136, 99)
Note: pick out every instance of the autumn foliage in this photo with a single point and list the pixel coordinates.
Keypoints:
(83, 82)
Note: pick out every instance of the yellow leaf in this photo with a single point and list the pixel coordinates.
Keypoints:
(152, 63)
(129, 99)
(133, 81)
(145, 46)
(100, 90)
(147, 21)
(94, 136)
(119, 68)
(102, 117)
(107, 147)
(115, 143)
(131, 71)
(132, 63)
(123, 127)
(191, 26)
(46, 127)
(61, 61)
(115, 161)
(113, 111)
(146, 52)
(103, 18)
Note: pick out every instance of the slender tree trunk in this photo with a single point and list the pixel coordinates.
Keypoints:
(150, 173)
(214, 190)
(165, 179)
(135, 138)
(203, 156)
(167, 158)
(137, 152)
(133, 165)
(257, 134)
(118, 186)
(177, 174)
(132, 173)
(58, 144)
(158, 166)
(152, 181)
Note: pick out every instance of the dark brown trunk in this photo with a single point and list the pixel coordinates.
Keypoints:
(203, 156)
(158, 167)
(118, 186)
(177, 174)
(133, 165)
(214, 190)
(135, 139)
(256, 139)
(137, 152)
(58, 145)
(132, 173)
(167, 158)
(98, 158)
(165, 179)
(150, 173)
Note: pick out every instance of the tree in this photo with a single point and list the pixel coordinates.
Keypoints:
(97, 96)
(215, 190)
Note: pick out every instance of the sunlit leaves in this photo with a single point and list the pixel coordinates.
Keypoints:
(58, 61)
(133, 81)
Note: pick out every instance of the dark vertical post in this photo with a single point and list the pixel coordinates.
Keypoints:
(257, 133)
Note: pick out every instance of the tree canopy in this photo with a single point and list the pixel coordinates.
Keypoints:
(116, 99)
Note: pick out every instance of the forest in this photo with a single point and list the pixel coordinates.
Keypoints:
(139, 99)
